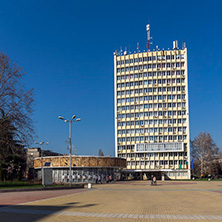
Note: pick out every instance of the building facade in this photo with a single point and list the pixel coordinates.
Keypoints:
(84, 168)
(152, 113)
(31, 154)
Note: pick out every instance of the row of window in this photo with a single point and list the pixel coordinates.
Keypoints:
(138, 107)
(150, 82)
(155, 163)
(149, 155)
(149, 58)
(131, 147)
(155, 113)
(149, 98)
(150, 74)
(152, 138)
(151, 66)
(152, 130)
(150, 90)
(152, 122)
(150, 106)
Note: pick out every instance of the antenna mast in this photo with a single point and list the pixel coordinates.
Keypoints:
(148, 37)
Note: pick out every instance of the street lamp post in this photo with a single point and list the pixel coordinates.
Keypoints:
(41, 143)
(70, 143)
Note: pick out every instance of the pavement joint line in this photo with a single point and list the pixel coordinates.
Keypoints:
(150, 190)
(212, 191)
(51, 198)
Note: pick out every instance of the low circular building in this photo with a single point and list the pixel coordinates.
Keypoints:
(83, 168)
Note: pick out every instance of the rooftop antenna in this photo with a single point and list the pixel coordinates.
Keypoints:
(148, 37)
(125, 52)
(121, 50)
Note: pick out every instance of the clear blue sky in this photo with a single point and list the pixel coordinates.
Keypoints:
(66, 49)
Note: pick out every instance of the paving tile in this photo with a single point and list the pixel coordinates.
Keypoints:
(127, 201)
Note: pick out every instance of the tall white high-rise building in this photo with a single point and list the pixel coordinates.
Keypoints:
(152, 113)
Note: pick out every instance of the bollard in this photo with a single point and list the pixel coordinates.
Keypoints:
(89, 185)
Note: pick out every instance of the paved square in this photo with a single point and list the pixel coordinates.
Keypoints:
(124, 201)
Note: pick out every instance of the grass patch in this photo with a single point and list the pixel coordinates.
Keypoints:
(17, 184)
(25, 184)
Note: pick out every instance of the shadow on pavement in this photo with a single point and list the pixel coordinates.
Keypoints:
(36, 212)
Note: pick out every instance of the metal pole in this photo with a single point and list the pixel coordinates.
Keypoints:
(70, 153)
(42, 164)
